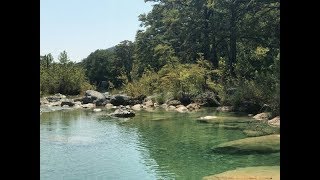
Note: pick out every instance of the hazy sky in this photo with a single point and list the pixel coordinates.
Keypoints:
(82, 26)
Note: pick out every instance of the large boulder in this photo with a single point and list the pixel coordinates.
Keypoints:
(258, 172)
(275, 122)
(95, 97)
(123, 113)
(261, 144)
(262, 116)
(208, 99)
(120, 99)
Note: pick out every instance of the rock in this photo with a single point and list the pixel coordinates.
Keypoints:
(43, 101)
(164, 106)
(76, 106)
(58, 103)
(252, 133)
(262, 116)
(193, 106)
(149, 103)
(155, 104)
(109, 106)
(225, 108)
(261, 144)
(171, 108)
(56, 97)
(89, 105)
(123, 113)
(275, 122)
(136, 107)
(77, 103)
(173, 103)
(65, 106)
(256, 173)
(120, 99)
(92, 96)
(185, 100)
(97, 110)
(208, 117)
(208, 99)
(67, 102)
(181, 108)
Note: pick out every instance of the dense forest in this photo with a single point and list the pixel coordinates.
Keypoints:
(187, 47)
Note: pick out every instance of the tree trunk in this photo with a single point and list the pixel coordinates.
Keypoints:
(233, 40)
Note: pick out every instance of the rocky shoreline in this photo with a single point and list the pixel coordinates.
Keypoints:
(125, 106)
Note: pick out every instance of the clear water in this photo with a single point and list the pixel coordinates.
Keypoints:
(83, 145)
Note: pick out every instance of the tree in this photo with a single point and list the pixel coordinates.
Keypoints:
(63, 57)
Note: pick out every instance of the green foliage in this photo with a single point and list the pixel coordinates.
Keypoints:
(67, 78)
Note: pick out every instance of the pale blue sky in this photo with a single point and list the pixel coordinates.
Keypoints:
(82, 26)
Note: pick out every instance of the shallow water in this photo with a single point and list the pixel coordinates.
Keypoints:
(82, 144)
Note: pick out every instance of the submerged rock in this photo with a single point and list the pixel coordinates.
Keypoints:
(208, 117)
(256, 173)
(262, 116)
(275, 122)
(97, 110)
(262, 144)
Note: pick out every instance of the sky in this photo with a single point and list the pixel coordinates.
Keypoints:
(83, 26)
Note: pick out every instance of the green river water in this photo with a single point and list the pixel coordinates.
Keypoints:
(86, 145)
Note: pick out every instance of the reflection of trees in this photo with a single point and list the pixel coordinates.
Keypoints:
(60, 121)
(182, 147)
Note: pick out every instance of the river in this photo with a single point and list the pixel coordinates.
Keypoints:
(86, 145)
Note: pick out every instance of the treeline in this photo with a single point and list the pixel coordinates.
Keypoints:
(187, 47)
(64, 76)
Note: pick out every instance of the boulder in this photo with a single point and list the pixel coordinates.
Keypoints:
(193, 106)
(257, 173)
(109, 106)
(261, 144)
(123, 113)
(120, 99)
(43, 101)
(136, 107)
(208, 99)
(275, 122)
(225, 108)
(171, 108)
(262, 116)
(173, 103)
(181, 108)
(148, 103)
(92, 96)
